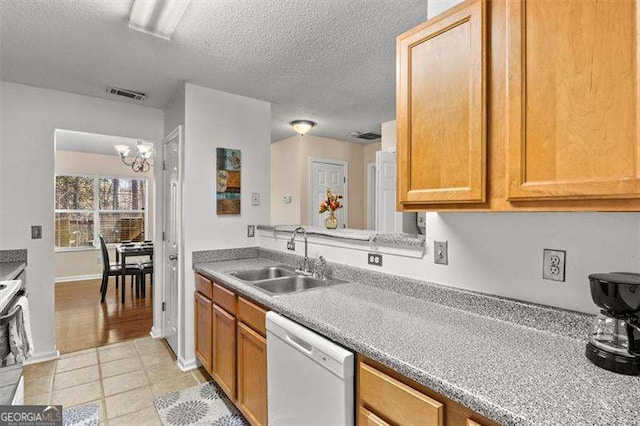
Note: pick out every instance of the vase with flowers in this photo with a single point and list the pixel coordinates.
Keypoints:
(330, 204)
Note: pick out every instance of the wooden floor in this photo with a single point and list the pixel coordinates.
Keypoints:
(82, 322)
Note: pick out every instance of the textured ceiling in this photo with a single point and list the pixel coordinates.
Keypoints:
(331, 61)
(68, 140)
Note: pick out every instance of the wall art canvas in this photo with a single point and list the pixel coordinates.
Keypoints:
(229, 163)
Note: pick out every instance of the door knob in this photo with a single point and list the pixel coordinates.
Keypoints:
(173, 257)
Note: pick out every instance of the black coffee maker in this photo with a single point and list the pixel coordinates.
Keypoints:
(614, 343)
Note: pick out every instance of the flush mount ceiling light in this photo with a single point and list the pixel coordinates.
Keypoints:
(157, 17)
(140, 162)
(302, 126)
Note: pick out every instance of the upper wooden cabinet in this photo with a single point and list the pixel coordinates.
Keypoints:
(521, 105)
(573, 99)
(441, 115)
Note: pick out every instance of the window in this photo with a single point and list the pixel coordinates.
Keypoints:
(88, 205)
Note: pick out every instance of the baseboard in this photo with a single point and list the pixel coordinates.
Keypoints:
(78, 278)
(186, 365)
(42, 357)
(155, 333)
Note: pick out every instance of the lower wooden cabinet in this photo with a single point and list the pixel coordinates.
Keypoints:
(224, 350)
(385, 397)
(252, 375)
(203, 336)
(396, 401)
(230, 335)
(367, 418)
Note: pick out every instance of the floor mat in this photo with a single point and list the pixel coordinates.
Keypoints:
(205, 404)
(82, 415)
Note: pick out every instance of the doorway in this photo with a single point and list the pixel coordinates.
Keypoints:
(172, 266)
(101, 202)
(325, 173)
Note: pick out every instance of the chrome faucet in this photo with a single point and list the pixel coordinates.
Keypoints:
(305, 268)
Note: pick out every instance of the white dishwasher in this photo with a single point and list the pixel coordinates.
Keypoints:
(309, 378)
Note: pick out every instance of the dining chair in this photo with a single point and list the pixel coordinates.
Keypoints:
(145, 267)
(115, 270)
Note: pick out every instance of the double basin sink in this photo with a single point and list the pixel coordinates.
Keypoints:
(277, 280)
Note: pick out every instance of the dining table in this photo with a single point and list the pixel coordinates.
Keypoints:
(123, 251)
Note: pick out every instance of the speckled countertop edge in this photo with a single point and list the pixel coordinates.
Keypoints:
(219, 255)
(10, 270)
(287, 306)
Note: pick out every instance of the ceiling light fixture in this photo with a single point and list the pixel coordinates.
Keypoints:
(302, 126)
(157, 17)
(140, 162)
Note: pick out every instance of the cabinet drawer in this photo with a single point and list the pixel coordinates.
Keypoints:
(367, 418)
(224, 298)
(397, 402)
(203, 286)
(252, 315)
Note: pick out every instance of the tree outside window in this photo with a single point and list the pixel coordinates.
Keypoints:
(87, 204)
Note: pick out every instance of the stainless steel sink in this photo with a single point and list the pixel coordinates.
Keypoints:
(294, 284)
(267, 273)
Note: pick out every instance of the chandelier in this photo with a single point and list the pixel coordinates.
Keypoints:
(140, 162)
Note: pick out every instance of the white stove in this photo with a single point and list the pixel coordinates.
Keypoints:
(7, 290)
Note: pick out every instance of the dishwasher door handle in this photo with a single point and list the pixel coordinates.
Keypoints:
(299, 344)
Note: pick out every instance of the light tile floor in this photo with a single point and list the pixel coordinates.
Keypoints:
(124, 378)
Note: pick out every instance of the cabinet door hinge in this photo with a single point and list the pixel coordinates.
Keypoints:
(164, 305)
(164, 237)
(344, 179)
(164, 165)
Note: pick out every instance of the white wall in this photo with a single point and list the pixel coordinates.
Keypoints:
(501, 253)
(216, 119)
(388, 142)
(30, 116)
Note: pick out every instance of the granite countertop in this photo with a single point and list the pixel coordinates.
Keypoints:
(10, 270)
(504, 371)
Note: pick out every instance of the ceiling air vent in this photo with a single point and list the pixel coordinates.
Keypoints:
(368, 136)
(138, 96)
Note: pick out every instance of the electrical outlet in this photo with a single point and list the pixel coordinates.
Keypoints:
(375, 259)
(286, 199)
(440, 252)
(553, 263)
(291, 245)
(255, 199)
(251, 231)
(36, 232)
(98, 260)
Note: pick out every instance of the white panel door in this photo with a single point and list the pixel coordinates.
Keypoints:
(387, 218)
(325, 174)
(172, 235)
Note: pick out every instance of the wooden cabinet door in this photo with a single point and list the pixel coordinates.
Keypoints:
(441, 109)
(203, 307)
(396, 401)
(367, 418)
(224, 350)
(573, 99)
(252, 375)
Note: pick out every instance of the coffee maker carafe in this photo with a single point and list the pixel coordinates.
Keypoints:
(614, 343)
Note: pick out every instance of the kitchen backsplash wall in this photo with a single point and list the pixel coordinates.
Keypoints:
(501, 253)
